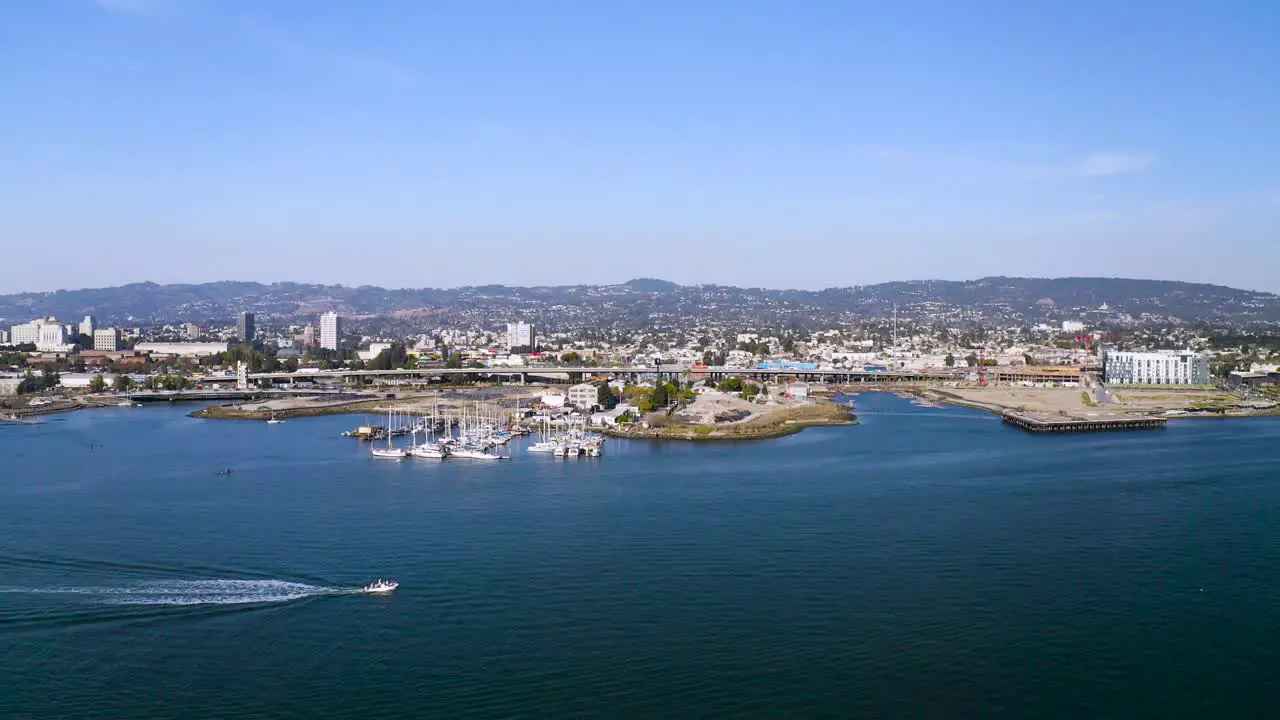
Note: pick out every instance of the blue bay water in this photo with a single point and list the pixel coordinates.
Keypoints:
(926, 563)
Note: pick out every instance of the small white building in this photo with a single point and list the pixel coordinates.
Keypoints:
(9, 384)
(1072, 326)
(182, 349)
(609, 418)
(554, 401)
(508, 361)
(375, 349)
(798, 390)
(81, 381)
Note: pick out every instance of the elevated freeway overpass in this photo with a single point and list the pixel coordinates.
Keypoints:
(563, 373)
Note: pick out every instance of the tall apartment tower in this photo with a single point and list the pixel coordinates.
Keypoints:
(330, 330)
(520, 334)
(245, 329)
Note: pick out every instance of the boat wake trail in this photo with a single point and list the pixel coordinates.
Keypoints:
(191, 592)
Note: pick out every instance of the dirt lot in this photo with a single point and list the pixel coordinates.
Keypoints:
(712, 403)
(1071, 401)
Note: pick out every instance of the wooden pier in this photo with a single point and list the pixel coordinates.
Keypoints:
(1061, 425)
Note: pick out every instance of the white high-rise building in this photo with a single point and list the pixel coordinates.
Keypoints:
(330, 330)
(87, 325)
(520, 334)
(53, 338)
(1166, 367)
(106, 339)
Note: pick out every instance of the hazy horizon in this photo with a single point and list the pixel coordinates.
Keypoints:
(805, 145)
(623, 282)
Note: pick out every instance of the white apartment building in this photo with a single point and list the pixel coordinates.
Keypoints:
(4, 337)
(88, 325)
(330, 330)
(520, 334)
(25, 333)
(1165, 367)
(583, 396)
(106, 339)
(1072, 326)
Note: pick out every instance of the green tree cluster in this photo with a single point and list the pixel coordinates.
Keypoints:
(606, 397)
(731, 384)
(395, 357)
(168, 382)
(659, 397)
(258, 359)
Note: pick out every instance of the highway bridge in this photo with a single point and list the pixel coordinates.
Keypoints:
(224, 394)
(567, 373)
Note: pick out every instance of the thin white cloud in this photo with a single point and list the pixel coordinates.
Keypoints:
(146, 7)
(1103, 164)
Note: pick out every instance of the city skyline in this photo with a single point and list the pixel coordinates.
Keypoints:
(814, 146)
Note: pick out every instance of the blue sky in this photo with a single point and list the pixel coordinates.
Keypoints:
(752, 142)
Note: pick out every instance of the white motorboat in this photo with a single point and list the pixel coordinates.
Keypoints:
(274, 421)
(381, 586)
(429, 452)
(543, 446)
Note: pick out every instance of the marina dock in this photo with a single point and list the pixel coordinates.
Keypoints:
(1051, 424)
